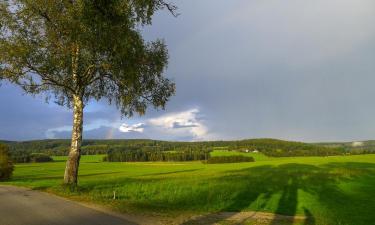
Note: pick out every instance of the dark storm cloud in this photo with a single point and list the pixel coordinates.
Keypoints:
(299, 70)
(23, 117)
(295, 70)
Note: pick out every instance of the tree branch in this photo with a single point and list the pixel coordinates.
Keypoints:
(171, 8)
(46, 77)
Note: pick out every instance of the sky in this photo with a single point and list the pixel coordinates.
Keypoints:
(286, 69)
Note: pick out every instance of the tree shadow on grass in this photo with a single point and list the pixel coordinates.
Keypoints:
(323, 182)
(172, 172)
(310, 219)
(343, 193)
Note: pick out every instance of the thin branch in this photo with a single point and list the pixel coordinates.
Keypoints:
(171, 8)
(89, 73)
(46, 77)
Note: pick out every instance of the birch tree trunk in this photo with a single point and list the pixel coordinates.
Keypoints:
(72, 164)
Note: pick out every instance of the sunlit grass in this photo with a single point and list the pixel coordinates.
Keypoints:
(330, 190)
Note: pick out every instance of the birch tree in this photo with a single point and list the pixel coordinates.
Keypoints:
(73, 51)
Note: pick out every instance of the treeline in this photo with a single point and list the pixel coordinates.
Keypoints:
(55, 147)
(269, 147)
(304, 152)
(27, 157)
(144, 155)
(279, 148)
(355, 148)
(230, 159)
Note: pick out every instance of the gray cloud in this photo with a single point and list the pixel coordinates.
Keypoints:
(177, 125)
(285, 69)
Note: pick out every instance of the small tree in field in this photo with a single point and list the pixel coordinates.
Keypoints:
(77, 50)
(6, 166)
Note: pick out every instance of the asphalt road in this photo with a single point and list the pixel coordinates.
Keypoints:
(21, 206)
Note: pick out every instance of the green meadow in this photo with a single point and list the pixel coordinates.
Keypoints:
(327, 190)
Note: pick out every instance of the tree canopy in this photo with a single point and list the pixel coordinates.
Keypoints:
(89, 48)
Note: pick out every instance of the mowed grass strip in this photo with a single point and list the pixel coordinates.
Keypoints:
(327, 190)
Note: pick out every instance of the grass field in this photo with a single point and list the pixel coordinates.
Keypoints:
(257, 156)
(328, 190)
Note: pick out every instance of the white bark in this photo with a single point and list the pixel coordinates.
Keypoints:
(71, 170)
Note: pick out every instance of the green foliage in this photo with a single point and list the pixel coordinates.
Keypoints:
(357, 147)
(144, 155)
(68, 48)
(279, 148)
(230, 159)
(6, 166)
(27, 157)
(40, 157)
(20, 156)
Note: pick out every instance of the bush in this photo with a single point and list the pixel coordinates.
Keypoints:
(145, 155)
(6, 166)
(230, 159)
(20, 156)
(40, 157)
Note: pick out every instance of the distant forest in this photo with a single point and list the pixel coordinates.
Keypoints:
(144, 148)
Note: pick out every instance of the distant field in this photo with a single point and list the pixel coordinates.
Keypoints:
(85, 158)
(328, 190)
(256, 156)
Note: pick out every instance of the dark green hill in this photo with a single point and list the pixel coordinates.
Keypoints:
(270, 147)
